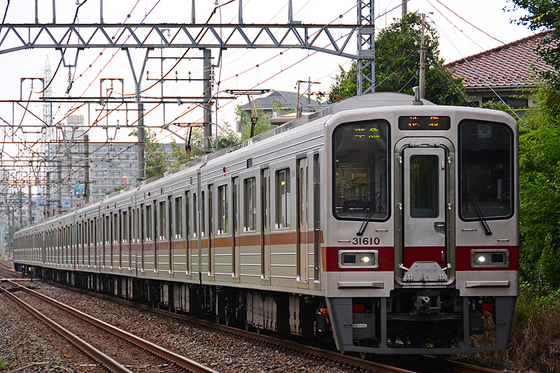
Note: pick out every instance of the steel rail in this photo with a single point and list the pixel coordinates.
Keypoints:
(94, 353)
(333, 356)
(188, 364)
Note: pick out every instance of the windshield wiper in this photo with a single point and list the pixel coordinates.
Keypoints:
(479, 214)
(367, 219)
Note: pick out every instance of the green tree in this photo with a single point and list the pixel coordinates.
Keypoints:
(224, 138)
(157, 161)
(397, 54)
(539, 197)
(544, 14)
(262, 124)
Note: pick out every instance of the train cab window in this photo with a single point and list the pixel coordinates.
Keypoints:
(250, 206)
(486, 163)
(361, 164)
(283, 198)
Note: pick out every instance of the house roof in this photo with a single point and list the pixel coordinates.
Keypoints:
(511, 65)
(287, 99)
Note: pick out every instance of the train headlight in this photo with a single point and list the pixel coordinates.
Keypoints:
(358, 258)
(490, 258)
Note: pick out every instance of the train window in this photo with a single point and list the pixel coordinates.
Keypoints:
(222, 210)
(424, 186)
(194, 216)
(149, 220)
(124, 227)
(107, 239)
(250, 205)
(361, 163)
(202, 215)
(178, 217)
(116, 230)
(283, 198)
(486, 162)
(162, 222)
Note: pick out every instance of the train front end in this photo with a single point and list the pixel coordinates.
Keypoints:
(421, 251)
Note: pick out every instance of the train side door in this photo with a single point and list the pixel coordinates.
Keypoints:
(424, 214)
(302, 220)
(235, 232)
(265, 223)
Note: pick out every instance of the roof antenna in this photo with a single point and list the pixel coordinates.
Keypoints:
(417, 99)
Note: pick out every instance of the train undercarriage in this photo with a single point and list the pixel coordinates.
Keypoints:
(408, 322)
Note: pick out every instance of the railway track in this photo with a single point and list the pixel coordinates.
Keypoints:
(115, 349)
(423, 363)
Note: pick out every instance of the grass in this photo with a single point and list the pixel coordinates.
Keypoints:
(3, 363)
(535, 337)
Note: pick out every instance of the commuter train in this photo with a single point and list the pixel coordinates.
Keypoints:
(384, 223)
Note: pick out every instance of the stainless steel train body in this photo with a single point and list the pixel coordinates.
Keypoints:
(392, 227)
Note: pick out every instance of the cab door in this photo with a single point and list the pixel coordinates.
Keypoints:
(424, 211)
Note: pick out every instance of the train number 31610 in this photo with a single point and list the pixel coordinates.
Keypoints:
(365, 241)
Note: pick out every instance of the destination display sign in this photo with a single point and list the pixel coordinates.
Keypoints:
(424, 123)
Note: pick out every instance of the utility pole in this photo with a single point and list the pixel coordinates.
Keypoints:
(422, 77)
(20, 202)
(309, 83)
(207, 106)
(48, 214)
(86, 171)
(59, 191)
(403, 7)
(366, 47)
(30, 212)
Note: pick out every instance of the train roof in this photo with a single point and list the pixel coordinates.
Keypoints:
(371, 100)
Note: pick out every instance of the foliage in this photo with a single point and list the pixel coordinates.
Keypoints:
(534, 337)
(397, 56)
(156, 160)
(179, 154)
(544, 14)
(4, 364)
(115, 189)
(539, 184)
(262, 125)
(225, 138)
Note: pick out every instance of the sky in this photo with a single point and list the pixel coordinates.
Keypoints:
(466, 27)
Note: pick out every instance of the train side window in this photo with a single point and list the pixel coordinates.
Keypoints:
(486, 167)
(149, 220)
(116, 229)
(283, 196)
(360, 172)
(162, 221)
(108, 232)
(250, 204)
(202, 215)
(124, 227)
(178, 217)
(194, 216)
(223, 220)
